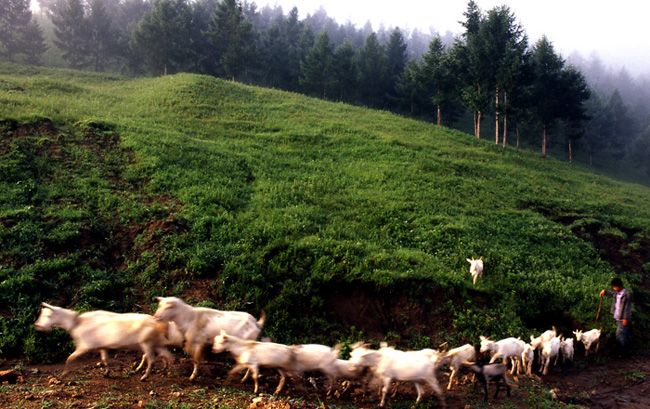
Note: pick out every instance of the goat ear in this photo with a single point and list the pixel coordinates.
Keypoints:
(468, 260)
(46, 305)
(159, 298)
(481, 258)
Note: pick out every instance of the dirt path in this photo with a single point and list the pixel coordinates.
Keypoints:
(604, 382)
(598, 382)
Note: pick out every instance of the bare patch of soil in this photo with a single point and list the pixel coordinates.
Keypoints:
(594, 382)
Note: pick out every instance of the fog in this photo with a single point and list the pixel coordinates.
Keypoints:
(616, 35)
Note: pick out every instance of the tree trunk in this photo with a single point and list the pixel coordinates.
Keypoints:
(478, 125)
(544, 140)
(517, 131)
(570, 152)
(496, 116)
(475, 125)
(438, 111)
(505, 119)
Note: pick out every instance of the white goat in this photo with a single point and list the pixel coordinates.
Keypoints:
(254, 355)
(475, 268)
(508, 348)
(566, 348)
(527, 358)
(199, 325)
(345, 370)
(588, 339)
(550, 350)
(103, 330)
(173, 339)
(455, 358)
(391, 365)
(313, 357)
(537, 342)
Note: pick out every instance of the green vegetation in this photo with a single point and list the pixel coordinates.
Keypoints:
(113, 191)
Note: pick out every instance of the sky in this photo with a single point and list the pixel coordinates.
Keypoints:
(618, 32)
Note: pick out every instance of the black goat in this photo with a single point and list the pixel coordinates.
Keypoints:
(489, 373)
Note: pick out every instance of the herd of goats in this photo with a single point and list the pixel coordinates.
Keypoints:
(177, 324)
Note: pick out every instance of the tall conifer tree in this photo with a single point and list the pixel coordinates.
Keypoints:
(233, 38)
(14, 18)
(72, 33)
(373, 72)
(316, 74)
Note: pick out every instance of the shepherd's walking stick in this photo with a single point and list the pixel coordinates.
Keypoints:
(598, 314)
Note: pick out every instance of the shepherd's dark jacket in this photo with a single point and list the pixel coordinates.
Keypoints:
(626, 304)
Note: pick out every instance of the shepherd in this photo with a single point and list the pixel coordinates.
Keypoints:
(621, 311)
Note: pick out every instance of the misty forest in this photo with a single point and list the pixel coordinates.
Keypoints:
(490, 80)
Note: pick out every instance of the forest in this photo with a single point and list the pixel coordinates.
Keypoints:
(490, 80)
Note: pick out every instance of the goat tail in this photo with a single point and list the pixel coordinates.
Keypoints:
(260, 322)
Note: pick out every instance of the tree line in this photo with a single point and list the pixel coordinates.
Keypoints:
(487, 77)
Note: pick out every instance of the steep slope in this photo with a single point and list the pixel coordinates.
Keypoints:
(340, 222)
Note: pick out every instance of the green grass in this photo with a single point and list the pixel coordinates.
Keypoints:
(278, 201)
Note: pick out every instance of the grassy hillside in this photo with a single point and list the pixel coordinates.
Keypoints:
(340, 222)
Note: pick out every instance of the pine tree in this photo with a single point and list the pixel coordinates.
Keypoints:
(14, 18)
(396, 58)
(503, 51)
(373, 71)
(233, 39)
(597, 128)
(346, 72)
(640, 151)
(161, 37)
(34, 45)
(275, 58)
(546, 89)
(621, 125)
(72, 33)
(198, 19)
(437, 76)
(473, 17)
(294, 33)
(101, 36)
(409, 88)
(574, 92)
(316, 74)
(126, 20)
(475, 74)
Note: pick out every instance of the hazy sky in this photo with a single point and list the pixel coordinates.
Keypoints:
(618, 31)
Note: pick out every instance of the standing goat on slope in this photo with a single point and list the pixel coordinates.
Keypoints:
(475, 268)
